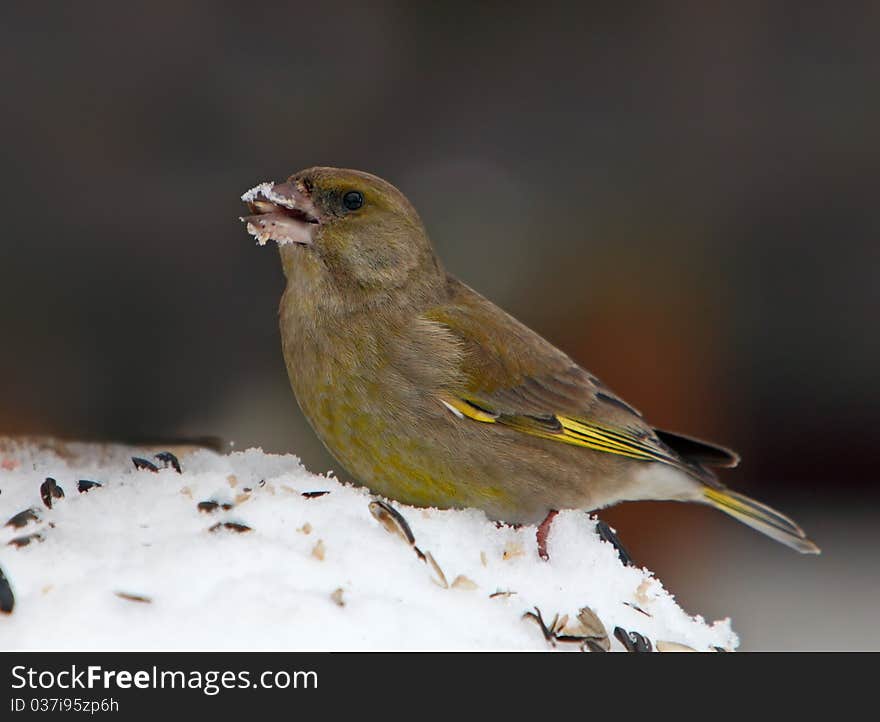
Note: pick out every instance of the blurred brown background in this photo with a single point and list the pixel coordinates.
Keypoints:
(684, 198)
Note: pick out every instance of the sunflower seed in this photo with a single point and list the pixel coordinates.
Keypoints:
(391, 519)
(591, 624)
(439, 577)
(49, 491)
(140, 463)
(632, 641)
(7, 598)
(607, 534)
(232, 526)
(637, 608)
(643, 644)
(539, 620)
(23, 541)
(314, 494)
(23, 518)
(166, 457)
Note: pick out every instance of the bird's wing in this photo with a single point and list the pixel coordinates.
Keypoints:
(509, 375)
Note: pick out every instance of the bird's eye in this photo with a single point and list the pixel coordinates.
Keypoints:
(353, 200)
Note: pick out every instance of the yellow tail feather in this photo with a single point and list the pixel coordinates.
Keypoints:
(761, 518)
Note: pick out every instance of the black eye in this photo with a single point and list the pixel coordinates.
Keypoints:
(353, 200)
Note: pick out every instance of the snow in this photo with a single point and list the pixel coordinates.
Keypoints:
(134, 564)
(272, 226)
(258, 192)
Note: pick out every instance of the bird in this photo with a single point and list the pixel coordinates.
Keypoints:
(429, 394)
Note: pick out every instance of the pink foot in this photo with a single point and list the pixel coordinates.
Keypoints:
(543, 531)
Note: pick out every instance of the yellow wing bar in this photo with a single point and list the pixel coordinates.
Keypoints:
(613, 441)
(565, 430)
(462, 409)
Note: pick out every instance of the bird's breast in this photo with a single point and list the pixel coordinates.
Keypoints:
(343, 378)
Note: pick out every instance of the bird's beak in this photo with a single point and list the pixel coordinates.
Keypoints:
(281, 212)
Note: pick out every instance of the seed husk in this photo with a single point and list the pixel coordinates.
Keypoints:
(463, 582)
(632, 641)
(7, 598)
(166, 457)
(231, 526)
(144, 464)
(23, 541)
(314, 494)
(49, 491)
(591, 623)
(439, 577)
(23, 518)
(84, 485)
(606, 533)
(392, 520)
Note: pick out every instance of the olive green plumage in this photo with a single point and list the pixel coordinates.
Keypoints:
(428, 393)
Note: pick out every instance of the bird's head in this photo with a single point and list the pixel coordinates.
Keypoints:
(355, 226)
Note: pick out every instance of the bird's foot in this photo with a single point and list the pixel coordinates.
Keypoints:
(543, 531)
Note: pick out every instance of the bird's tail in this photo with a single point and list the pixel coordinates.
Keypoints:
(761, 518)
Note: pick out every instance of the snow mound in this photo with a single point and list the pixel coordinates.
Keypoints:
(240, 551)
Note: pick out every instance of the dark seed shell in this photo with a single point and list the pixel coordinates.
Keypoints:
(49, 491)
(591, 624)
(84, 485)
(539, 620)
(632, 641)
(606, 533)
(7, 598)
(392, 520)
(314, 494)
(166, 457)
(642, 643)
(235, 526)
(23, 541)
(140, 463)
(23, 518)
(623, 638)
(232, 526)
(637, 608)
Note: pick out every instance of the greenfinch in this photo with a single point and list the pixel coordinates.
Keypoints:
(429, 394)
